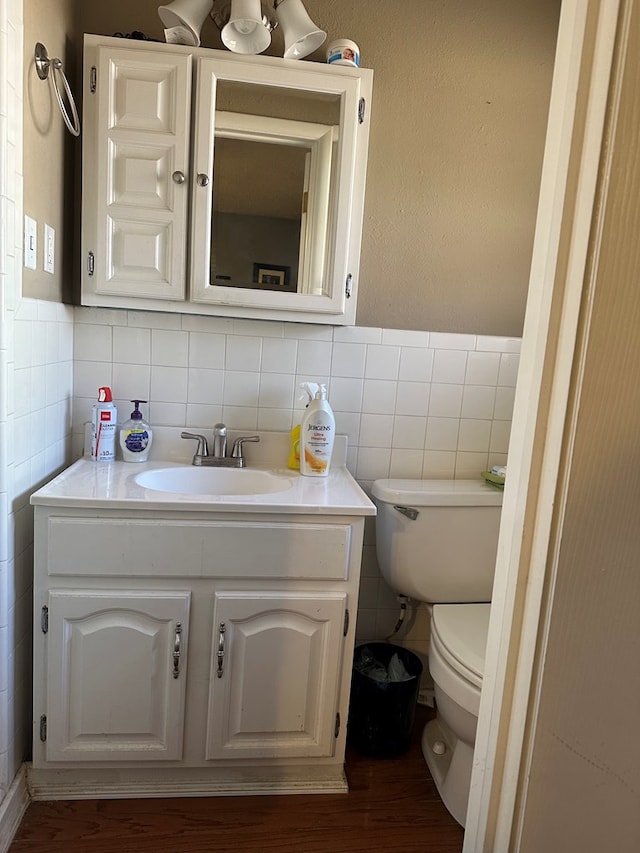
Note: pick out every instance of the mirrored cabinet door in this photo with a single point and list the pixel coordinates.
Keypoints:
(271, 210)
(222, 184)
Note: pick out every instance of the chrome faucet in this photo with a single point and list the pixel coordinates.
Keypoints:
(219, 441)
(219, 457)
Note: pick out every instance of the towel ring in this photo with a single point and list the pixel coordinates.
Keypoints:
(43, 63)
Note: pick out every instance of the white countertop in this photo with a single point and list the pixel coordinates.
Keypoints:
(112, 485)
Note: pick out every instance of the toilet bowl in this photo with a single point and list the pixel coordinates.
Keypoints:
(436, 542)
(456, 662)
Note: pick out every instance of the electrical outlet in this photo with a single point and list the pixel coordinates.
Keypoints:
(30, 243)
(49, 263)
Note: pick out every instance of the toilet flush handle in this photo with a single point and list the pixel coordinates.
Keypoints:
(409, 511)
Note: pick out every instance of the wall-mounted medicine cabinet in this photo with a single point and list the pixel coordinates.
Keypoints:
(222, 184)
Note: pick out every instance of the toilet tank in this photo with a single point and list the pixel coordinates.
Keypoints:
(436, 540)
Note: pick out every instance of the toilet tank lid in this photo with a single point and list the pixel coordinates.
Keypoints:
(437, 492)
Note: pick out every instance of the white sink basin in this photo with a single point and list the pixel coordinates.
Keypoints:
(194, 480)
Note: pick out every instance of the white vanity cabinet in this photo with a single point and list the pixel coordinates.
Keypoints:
(191, 651)
(222, 184)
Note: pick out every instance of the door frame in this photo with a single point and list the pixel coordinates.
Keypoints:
(533, 504)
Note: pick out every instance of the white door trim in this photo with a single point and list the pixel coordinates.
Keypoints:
(576, 124)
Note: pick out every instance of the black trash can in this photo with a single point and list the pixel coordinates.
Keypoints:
(381, 712)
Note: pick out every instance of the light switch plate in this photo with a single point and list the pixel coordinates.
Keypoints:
(30, 243)
(49, 262)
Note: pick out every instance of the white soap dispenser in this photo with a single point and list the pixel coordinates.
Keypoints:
(136, 436)
(317, 434)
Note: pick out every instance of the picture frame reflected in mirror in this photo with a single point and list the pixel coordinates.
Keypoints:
(273, 277)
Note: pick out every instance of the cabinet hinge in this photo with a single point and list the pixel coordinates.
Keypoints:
(43, 728)
(362, 106)
(337, 729)
(348, 287)
(91, 263)
(93, 79)
(44, 619)
(345, 628)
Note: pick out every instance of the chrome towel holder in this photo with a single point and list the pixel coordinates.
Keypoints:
(43, 64)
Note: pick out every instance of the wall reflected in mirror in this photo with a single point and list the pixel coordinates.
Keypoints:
(257, 215)
(275, 156)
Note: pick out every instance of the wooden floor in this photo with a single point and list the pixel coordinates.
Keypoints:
(392, 807)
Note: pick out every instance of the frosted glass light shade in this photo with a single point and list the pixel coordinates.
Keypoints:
(186, 14)
(301, 35)
(245, 31)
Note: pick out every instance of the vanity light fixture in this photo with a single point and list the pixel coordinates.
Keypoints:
(301, 35)
(183, 20)
(245, 32)
(246, 26)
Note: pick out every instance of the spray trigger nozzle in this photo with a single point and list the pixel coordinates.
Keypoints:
(310, 389)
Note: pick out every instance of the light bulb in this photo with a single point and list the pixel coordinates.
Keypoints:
(245, 27)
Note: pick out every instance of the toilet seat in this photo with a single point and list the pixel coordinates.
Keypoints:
(457, 652)
(461, 631)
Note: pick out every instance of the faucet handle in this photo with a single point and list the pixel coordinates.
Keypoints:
(203, 448)
(236, 453)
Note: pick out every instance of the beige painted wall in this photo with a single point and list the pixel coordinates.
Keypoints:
(584, 779)
(459, 112)
(49, 148)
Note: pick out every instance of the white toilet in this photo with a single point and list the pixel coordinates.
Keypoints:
(436, 541)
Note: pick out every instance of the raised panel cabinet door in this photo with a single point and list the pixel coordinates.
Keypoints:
(139, 164)
(276, 664)
(116, 675)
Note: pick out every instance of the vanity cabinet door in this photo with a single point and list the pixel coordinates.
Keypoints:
(116, 675)
(136, 174)
(275, 668)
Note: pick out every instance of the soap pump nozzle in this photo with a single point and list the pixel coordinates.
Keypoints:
(136, 414)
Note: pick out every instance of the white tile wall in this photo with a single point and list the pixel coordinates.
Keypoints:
(413, 404)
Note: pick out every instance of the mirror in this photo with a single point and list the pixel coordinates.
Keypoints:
(273, 172)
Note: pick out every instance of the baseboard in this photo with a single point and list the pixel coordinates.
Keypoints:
(224, 778)
(50, 787)
(12, 809)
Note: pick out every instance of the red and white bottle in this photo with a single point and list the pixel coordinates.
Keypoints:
(104, 427)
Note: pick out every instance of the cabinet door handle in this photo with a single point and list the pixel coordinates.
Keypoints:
(202, 180)
(178, 177)
(220, 652)
(176, 650)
